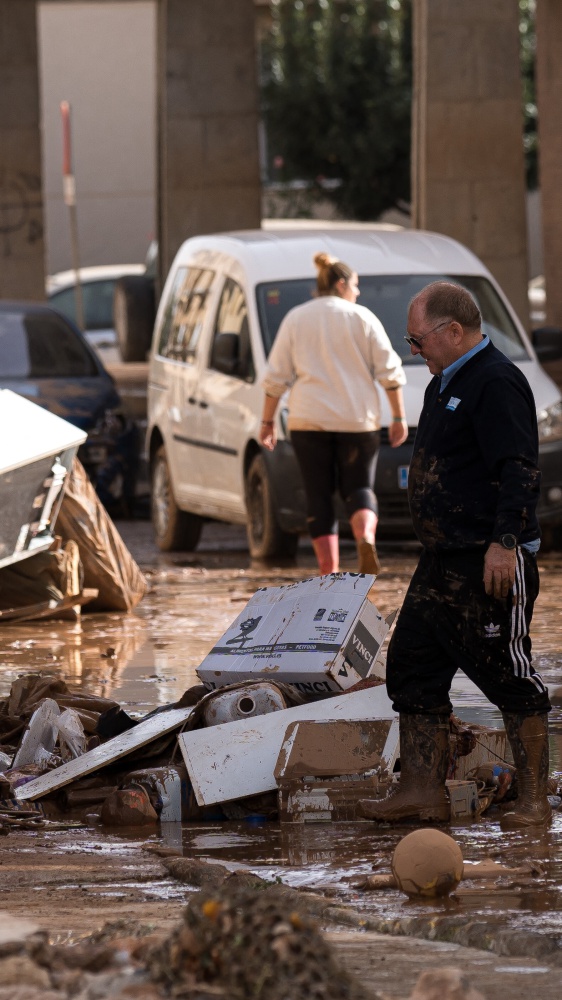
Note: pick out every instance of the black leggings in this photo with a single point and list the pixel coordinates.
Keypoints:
(330, 461)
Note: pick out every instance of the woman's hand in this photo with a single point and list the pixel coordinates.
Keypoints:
(267, 435)
(397, 432)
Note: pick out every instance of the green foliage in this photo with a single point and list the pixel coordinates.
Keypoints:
(337, 90)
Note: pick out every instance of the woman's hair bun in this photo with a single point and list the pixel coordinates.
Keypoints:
(324, 260)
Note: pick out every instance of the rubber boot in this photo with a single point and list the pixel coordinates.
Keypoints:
(368, 558)
(528, 738)
(424, 762)
(364, 525)
(327, 552)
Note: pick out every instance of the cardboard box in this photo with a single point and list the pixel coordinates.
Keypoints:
(321, 635)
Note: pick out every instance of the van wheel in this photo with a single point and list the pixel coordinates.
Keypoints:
(265, 537)
(133, 315)
(176, 530)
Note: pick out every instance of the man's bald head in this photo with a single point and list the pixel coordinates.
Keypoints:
(446, 300)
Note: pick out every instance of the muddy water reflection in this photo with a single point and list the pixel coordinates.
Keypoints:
(312, 856)
(149, 658)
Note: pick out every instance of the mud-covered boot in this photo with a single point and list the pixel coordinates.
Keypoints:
(424, 762)
(528, 738)
(367, 556)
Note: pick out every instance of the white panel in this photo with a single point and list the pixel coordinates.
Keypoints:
(237, 759)
(105, 754)
(34, 432)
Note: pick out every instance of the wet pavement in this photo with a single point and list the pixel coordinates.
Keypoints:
(149, 658)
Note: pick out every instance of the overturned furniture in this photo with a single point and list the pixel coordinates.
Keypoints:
(37, 449)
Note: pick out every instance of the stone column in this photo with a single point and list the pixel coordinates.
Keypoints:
(22, 250)
(207, 120)
(468, 176)
(549, 91)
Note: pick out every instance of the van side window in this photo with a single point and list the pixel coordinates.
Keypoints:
(185, 313)
(231, 351)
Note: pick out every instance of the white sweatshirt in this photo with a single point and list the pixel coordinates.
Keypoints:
(328, 352)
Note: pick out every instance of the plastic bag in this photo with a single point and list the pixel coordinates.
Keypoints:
(108, 565)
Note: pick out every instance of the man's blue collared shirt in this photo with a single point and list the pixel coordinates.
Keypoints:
(447, 373)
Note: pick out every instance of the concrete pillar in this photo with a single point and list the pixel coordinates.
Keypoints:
(468, 177)
(208, 120)
(549, 92)
(22, 250)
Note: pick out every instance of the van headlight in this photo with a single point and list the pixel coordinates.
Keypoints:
(550, 423)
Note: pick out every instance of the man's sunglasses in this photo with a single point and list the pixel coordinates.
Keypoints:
(417, 341)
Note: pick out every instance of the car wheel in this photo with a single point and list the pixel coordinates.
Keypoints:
(175, 529)
(265, 537)
(133, 315)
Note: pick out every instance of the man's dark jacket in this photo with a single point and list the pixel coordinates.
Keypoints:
(474, 473)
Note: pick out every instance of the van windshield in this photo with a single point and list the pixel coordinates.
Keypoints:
(388, 296)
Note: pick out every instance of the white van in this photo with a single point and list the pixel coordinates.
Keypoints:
(220, 310)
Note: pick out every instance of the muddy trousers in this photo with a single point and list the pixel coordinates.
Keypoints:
(448, 622)
(331, 462)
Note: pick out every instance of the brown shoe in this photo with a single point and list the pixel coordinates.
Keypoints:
(368, 558)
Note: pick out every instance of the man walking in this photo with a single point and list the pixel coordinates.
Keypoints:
(473, 491)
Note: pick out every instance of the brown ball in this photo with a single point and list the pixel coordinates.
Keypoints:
(427, 863)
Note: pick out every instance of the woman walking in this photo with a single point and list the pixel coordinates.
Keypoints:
(328, 353)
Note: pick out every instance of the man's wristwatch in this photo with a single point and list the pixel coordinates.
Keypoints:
(508, 541)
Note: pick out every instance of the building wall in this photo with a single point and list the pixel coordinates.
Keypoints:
(101, 57)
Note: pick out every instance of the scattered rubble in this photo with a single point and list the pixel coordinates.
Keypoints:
(255, 747)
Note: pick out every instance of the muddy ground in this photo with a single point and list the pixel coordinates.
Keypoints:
(72, 881)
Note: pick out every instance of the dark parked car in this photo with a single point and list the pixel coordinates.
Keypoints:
(44, 357)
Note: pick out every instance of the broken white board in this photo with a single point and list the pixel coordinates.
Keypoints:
(331, 749)
(119, 746)
(237, 759)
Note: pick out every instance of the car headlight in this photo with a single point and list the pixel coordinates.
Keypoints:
(550, 423)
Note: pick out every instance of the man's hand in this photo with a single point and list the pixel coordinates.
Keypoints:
(499, 570)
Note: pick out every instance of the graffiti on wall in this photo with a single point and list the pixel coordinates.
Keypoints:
(21, 210)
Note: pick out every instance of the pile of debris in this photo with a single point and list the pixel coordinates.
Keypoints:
(43, 489)
(231, 944)
(304, 747)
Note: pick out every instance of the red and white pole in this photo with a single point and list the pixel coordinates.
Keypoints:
(69, 193)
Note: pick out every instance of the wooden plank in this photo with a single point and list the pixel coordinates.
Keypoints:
(94, 760)
(237, 759)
